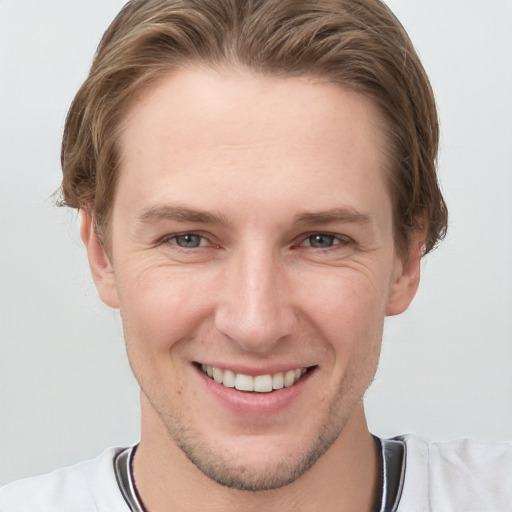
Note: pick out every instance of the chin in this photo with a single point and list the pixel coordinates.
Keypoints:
(258, 462)
(249, 472)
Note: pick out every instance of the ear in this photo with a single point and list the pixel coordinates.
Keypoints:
(407, 278)
(99, 261)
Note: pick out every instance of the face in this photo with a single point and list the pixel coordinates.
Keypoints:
(253, 262)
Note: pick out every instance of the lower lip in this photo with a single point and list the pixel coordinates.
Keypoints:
(253, 403)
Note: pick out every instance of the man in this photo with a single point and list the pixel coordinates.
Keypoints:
(257, 186)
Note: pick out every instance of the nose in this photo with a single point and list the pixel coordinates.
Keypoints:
(255, 310)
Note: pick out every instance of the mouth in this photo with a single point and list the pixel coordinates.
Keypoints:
(257, 384)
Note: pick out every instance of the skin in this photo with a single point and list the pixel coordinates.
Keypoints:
(281, 183)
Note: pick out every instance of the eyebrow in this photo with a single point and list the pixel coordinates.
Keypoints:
(179, 214)
(344, 215)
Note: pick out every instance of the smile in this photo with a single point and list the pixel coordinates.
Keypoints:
(259, 383)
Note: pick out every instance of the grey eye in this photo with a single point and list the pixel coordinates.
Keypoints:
(188, 240)
(321, 241)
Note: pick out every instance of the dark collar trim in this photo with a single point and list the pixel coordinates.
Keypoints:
(124, 476)
(393, 456)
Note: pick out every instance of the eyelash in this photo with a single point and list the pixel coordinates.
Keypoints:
(173, 239)
(335, 240)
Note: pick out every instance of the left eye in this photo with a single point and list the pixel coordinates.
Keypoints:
(188, 240)
(321, 241)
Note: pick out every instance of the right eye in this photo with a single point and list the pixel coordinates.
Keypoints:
(188, 240)
(321, 241)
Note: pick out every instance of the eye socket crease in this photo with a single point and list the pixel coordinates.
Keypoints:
(176, 212)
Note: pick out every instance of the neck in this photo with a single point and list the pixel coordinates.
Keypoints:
(346, 477)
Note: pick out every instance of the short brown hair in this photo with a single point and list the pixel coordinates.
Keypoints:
(356, 43)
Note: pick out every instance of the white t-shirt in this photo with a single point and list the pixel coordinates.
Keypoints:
(89, 486)
(457, 476)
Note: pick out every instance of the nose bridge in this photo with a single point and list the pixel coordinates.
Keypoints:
(256, 311)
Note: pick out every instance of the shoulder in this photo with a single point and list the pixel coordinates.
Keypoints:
(85, 487)
(465, 474)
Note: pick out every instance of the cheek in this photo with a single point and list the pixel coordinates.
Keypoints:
(348, 312)
(347, 302)
(159, 310)
(158, 323)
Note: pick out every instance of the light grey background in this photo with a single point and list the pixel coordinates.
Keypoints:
(66, 391)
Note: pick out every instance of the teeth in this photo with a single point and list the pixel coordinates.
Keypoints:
(289, 378)
(263, 383)
(218, 375)
(259, 384)
(244, 382)
(278, 381)
(228, 379)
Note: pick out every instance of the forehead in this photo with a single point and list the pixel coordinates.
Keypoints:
(200, 131)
